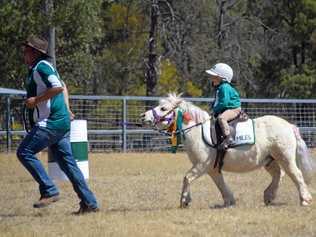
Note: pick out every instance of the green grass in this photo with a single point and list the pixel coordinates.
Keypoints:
(139, 196)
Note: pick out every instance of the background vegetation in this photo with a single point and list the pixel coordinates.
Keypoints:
(150, 47)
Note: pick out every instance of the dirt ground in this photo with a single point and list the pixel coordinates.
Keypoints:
(139, 196)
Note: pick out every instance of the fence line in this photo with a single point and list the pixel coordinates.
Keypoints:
(112, 120)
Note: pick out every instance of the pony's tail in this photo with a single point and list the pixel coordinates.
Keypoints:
(303, 158)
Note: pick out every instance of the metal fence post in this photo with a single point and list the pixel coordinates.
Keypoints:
(124, 126)
(8, 123)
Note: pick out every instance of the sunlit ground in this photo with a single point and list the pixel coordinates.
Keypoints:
(139, 196)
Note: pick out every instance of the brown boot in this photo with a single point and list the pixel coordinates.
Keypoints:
(84, 209)
(225, 143)
(45, 201)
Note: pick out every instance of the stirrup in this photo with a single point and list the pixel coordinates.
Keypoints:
(223, 146)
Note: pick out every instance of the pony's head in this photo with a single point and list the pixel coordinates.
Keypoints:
(164, 114)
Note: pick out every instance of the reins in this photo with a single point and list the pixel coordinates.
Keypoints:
(189, 128)
(182, 131)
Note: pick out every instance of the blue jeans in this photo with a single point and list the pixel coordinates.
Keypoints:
(59, 142)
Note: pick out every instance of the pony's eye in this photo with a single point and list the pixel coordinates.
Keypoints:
(163, 109)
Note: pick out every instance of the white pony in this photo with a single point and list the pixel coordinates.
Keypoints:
(278, 144)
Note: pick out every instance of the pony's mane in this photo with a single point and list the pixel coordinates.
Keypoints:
(197, 114)
(173, 99)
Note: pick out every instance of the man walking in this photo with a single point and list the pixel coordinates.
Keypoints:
(50, 120)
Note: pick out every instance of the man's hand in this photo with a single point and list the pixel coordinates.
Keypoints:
(71, 115)
(30, 102)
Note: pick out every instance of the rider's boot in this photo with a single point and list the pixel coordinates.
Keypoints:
(225, 143)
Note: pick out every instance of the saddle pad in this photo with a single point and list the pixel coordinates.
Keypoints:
(206, 133)
(245, 133)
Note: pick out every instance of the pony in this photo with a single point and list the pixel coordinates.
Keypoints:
(278, 147)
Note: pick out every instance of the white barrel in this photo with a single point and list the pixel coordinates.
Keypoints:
(79, 147)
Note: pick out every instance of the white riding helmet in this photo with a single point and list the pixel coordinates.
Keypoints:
(222, 70)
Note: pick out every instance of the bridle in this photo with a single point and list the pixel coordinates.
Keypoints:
(169, 120)
(158, 119)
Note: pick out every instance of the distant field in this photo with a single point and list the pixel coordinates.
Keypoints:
(139, 196)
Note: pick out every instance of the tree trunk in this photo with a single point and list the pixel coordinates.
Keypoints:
(303, 52)
(49, 12)
(220, 23)
(294, 55)
(151, 72)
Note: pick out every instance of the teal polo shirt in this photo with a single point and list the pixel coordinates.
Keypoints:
(226, 97)
(52, 113)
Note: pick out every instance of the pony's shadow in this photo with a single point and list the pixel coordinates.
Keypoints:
(127, 209)
(277, 204)
(222, 206)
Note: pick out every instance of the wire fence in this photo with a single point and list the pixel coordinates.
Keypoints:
(112, 120)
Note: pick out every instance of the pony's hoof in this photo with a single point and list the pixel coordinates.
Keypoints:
(231, 203)
(306, 203)
(268, 198)
(185, 200)
(268, 202)
(184, 204)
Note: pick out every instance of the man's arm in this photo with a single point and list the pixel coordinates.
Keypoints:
(51, 92)
(66, 96)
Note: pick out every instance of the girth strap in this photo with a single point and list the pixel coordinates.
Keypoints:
(219, 161)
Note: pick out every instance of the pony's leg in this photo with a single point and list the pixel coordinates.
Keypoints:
(271, 191)
(295, 174)
(219, 181)
(195, 172)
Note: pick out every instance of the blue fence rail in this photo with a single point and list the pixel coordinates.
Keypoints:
(112, 120)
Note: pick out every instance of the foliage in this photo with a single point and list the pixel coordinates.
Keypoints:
(299, 84)
(18, 19)
(168, 78)
(102, 45)
(121, 51)
(78, 26)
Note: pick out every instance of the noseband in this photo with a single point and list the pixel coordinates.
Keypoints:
(158, 119)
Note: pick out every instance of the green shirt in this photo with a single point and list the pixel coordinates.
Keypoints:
(226, 97)
(52, 113)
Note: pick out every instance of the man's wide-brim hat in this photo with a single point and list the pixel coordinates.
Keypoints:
(37, 43)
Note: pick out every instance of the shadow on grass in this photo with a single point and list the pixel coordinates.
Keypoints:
(145, 209)
(277, 204)
(218, 206)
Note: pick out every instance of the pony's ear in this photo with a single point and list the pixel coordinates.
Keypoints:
(179, 99)
(174, 98)
(173, 95)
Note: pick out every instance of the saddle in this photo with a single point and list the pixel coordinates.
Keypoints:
(241, 117)
(219, 161)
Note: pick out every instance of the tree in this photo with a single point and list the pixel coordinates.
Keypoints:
(18, 20)
(101, 45)
(151, 74)
(49, 12)
(120, 51)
